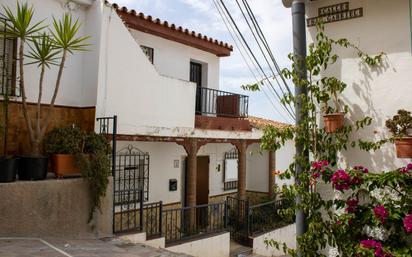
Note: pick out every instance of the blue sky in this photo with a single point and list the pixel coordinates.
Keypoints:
(203, 17)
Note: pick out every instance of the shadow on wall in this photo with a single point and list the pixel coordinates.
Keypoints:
(358, 97)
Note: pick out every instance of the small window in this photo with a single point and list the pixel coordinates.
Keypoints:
(8, 50)
(149, 52)
(231, 170)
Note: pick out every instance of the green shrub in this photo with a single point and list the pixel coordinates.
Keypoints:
(400, 123)
(66, 140)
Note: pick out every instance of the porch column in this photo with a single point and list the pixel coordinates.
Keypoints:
(191, 172)
(241, 174)
(272, 167)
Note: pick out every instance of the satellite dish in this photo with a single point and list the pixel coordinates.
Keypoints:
(287, 3)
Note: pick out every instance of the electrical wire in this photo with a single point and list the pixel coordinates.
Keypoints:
(254, 57)
(242, 49)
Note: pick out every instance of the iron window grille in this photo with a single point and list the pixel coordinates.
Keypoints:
(230, 185)
(8, 57)
(149, 52)
(131, 173)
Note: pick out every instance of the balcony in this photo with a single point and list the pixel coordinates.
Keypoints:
(212, 102)
(220, 110)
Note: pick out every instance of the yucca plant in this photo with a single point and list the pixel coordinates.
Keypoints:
(48, 46)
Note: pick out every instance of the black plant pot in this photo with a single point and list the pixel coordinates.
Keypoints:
(8, 169)
(33, 167)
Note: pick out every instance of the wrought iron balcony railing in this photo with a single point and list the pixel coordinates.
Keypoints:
(220, 103)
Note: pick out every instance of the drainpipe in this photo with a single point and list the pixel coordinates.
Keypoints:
(299, 49)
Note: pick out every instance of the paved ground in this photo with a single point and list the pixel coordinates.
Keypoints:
(19, 247)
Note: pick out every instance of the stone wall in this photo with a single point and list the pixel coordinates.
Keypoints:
(53, 208)
(18, 139)
(256, 197)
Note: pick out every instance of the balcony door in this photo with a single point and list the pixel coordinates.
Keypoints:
(196, 77)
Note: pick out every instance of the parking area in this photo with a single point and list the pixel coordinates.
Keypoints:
(51, 247)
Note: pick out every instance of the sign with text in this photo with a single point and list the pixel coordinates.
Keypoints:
(334, 13)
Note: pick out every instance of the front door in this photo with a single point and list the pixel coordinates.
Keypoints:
(202, 190)
(196, 76)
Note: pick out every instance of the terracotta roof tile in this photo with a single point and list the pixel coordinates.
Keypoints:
(260, 123)
(172, 26)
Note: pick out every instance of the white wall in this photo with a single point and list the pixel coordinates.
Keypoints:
(77, 84)
(284, 157)
(215, 246)
(376, 93)
(133, 89)
(257, 169)
(282, 235)
(172, 59)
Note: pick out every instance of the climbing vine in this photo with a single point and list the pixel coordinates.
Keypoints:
(348, 223)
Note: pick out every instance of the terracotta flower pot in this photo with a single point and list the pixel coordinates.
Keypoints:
(333, 122)
(404, 147)
(64, 165)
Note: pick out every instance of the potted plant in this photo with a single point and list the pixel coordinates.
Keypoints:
(62, 145)
(400, 126)
(334, 117)
(8, 164)
(48, 46)
(95, 167)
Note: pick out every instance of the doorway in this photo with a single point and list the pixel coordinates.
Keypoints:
(202, 190)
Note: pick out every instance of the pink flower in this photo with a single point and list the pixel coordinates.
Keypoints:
(315, 175)
(380, 213)
(407, 223)
(370, 244)
(352, 205)
(361, 168)
(406, 169)
(319, 165)
(341, 180)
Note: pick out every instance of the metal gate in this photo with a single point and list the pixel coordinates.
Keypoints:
(131, 189)
(238, 211)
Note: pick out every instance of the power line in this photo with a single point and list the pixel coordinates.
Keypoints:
(263, 38)
(233, 34)
(254, 57)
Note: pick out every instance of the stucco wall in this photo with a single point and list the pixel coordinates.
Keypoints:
(377, 93)
(214, 246)
(52, 208)
(76, 87)
(173, 59)
(286, 235)
(163, 155)
(133, 89)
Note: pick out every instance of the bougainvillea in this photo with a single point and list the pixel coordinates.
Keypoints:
(344, 220)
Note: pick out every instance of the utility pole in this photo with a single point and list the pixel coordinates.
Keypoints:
(299, 49)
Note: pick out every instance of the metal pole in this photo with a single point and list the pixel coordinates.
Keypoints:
(299, 48)
(114, 135)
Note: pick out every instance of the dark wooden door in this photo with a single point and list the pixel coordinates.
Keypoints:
(202, 191)
(202, 180)
(196, 76)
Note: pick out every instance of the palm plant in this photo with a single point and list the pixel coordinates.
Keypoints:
(46, 50)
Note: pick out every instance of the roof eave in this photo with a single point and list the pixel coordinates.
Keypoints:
(179, 35)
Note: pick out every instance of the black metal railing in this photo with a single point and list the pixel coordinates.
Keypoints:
(220, 103)
(265, 217)
(238, 220)
(8, 57)
(229, 185)
(152, 219)
(189, 222)
(128, 211)
(108, 127)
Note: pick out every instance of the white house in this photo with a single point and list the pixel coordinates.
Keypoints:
(178, 137)
(374, 26)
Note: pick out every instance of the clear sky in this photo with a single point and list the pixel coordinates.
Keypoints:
(203, 17)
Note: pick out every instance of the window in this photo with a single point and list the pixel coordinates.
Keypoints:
(149, 52)
(8, 49)
(231, 170)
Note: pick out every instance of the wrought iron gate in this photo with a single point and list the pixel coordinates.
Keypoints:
(238, 211)
(131, 189)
